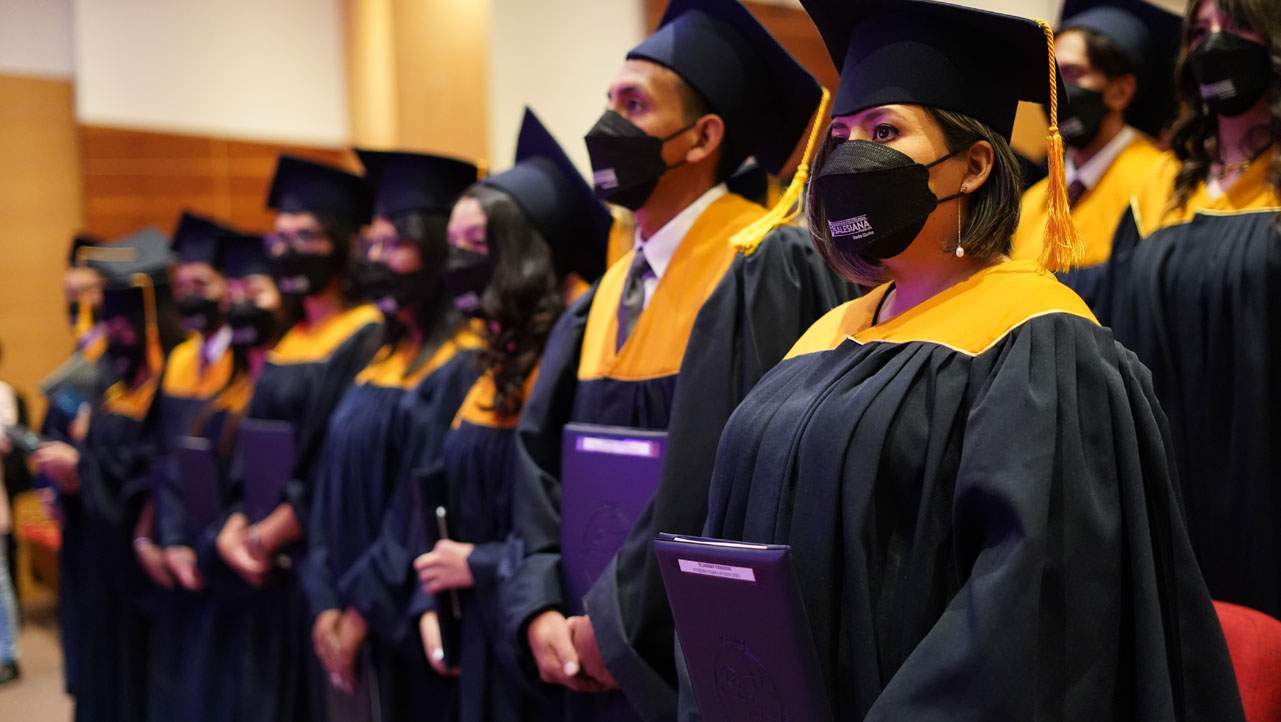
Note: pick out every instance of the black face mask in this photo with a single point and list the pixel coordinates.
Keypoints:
(388, 290)
(1081, 120)
(626, 161)
(302, 274)
(1232, 73)
(199, 314)
(126, 360)
(876, 198)
(251, 325)
(465, 276)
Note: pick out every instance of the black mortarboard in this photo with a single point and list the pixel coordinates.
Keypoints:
(241, 255)
(304, 186)
(1149, 36)
(729, 58)
(81, 240)
(402, 182)
(973, 62)
(547, 186)
(125, 301)
(196, 237)
(145, 251)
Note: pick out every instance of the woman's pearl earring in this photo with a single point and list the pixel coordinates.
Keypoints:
(960, 250)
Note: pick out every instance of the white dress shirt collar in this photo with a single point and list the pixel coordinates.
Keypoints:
(661, 246)
(1094, 168)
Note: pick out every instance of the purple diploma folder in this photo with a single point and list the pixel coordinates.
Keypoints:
(743, 630)
(198, 479)
(608, 475)
(267, 460)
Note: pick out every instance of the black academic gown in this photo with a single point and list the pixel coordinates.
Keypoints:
(304, 378)
(480, 466)
(390, 423)
(107, 592)
(982, 511)
(730, 316)
(82, 378)
(183, 679)
(1196, 293)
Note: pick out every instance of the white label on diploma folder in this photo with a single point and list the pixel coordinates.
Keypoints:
(618, 447)
(724, 571)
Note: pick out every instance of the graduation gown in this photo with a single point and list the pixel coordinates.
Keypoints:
(304, 377)
(732, 316)
(981, 504)
(182, 665)
(107, 591)
(82, 378)
(1095, 214)
(480, 468)
(390, 423)
(1196, 293)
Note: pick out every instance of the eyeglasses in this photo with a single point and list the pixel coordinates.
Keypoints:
(304, 240)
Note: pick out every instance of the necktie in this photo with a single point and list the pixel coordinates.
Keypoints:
(1075, 190)
(633, 301)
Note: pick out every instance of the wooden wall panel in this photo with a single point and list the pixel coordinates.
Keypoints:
(40, 209)
(135, 178)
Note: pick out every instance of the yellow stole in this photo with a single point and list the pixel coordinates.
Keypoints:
(390, 367)
(477, 409)
(1251, 193)
(970, 317)
(655, 347)
(185, 379)
(305, 344)
(1097, 213)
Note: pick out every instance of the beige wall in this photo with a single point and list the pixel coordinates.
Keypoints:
(271, 70)
(40, 209)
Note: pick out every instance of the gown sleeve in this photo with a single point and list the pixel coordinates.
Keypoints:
(1066, 488)
(533, 583)
(758, 310)
(381, 583)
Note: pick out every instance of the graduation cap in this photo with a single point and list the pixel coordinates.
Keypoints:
(404, 182)
(732, 61)
(547, 186)
(973, 62)
(81, 240)
(143, 252)
(134, 300)
(1149, 36)
(242, 254)
(195, 240)
(304, 186)
(920, 52)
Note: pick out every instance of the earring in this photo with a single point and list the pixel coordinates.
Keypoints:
(960, 250)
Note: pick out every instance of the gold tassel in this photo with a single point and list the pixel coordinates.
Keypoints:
(1062, 248)
(482, 169)
(789, 203)
(155, 352)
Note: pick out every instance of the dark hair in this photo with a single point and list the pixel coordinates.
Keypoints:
(695, 106)
(341, 233)
(433, 312)
(521, 302)
(1194, 138)
(1105, 55)
(991, 210)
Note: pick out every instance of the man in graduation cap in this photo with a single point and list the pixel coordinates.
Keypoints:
(85, 374)
(975, 479)
(1116, 57)
(103, 482)
(709, 298)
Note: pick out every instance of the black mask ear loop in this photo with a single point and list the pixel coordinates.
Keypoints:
(673, 135)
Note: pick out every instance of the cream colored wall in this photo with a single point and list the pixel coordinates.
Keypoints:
(255, 69)
(557, 56)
